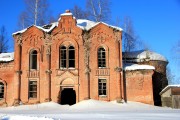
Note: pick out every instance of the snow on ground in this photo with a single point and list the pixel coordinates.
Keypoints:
(24, 118)
(89, 110)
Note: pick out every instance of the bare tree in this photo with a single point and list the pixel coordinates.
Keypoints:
(52, 19)
(130, 40)
(22, 23)
(3, 40)
(175, 54)
(177, 81)
(36, 13)
(129, 37)
(79, 13)
(169, 75)
(98, 10)
(176, 51)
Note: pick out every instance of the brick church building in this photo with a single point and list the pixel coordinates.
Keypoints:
(73, 60)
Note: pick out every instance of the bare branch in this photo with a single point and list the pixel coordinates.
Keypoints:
(79, 13)
(98, 10)
(94, 11)
(129, 37)
(36, 12)
(3, 40)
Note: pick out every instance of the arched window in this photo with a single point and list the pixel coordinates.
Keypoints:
(67, 57)
(1, 90)
(33, 59)
(62, 57)
(71, 56)
(101, 57)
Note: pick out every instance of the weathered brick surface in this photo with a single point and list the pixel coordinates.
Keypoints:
(7, 77)
(67, 33)
(51, 80)
(139, 86)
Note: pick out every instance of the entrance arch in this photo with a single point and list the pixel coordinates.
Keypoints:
(67, 93)
(68, 96)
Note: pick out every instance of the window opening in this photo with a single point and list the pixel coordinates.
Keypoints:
(101, 57)
(32, 89)
(33, 60)
(71, 57)
(63, 57)
(102, 86)
(1, 90)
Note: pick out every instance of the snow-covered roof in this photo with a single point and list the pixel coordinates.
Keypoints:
(87, 24)
(143, 55)
(6, 57)
(130, 67)
(52, 26)
(21, 31)
(43, 28)
(81, 23)
(66, 14)
(169, 86)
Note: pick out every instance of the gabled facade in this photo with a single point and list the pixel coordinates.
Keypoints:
(67, 59)
(70, 61)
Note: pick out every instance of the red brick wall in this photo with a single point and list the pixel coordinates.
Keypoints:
(51, 80)
(103, 36)
(139, 86)
(7, 77)
(67, 33)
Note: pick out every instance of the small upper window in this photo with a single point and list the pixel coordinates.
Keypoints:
(33, 59)
(101, 57)
(1, 90)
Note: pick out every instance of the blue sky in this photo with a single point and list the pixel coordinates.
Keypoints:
(156, 22)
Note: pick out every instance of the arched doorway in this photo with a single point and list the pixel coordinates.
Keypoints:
(68, 96)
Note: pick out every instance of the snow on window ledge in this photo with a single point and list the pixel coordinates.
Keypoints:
(103, 96)
(102, 67)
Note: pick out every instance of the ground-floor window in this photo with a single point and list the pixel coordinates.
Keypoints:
(32, 89)
(1, 90)
(102, 87)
